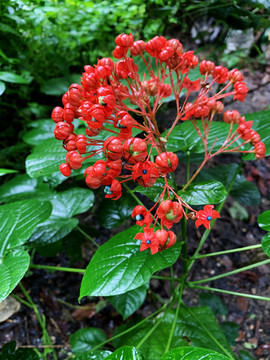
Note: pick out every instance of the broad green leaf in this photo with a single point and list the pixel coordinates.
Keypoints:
(126, 304)
(13, 78)
(45, 159)
(266, 244)
(5, 283)
(185, 137)
(52, 230)
(261, 125)
(65, 205)
(242, 190)
(264, 220)
(94, 355)
(21, 186)
(7, 171)
(214, 302)
(58, 86)
(118, 266)
(230, 330)
(42, 132)
(125, 352)
(9, 353)
(207, 192)
(155, 345)
(200, 326)
(19, 219)
(71, 202)
(2, 87)
(114, 213)
(154, 192)
(193, 353)
(15, 264)
(85, 339)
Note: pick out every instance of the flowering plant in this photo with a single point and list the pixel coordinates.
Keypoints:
(110, 131)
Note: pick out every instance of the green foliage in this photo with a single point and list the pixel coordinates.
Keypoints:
(126, 304)
(193, 353)
(85, 339)
(118, 266)
(208, 192)
(9, 352)
(242, 190)
(94, 355)
(264, 223)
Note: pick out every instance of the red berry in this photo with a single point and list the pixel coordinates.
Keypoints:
(65, 169)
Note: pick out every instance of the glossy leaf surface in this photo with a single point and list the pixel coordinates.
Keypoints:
(208, 192)
(193, 353)
(126, 304)
(118, 266)
(85, 339)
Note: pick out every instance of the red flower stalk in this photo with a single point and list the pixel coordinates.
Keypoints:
(205, 216)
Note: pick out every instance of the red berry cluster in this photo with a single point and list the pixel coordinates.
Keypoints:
(100, 102)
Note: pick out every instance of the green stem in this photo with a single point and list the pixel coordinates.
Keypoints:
(149, 333)
(132, 194)
(210, 335)
(40, 318)
(231, 272)
(257, 297)
(184, 246)
(207, 231)
(131, 328)
(182, 286)
(87, 236)
(57, 268)
(251, 247)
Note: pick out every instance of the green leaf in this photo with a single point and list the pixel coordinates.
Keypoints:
(13, 78)
(125, 352)
(7, 171)
(230, 330)
(261, 125)
(114, 213)
(118, 266)
(45, 159)
(214, 302)
(154, 347)
(94, 355)
(126, 304)
(193, 353)
(19, 219)
(154, 191)
(21, 186)
(12, 269)
(264, 220)
(5, 281)
(244, 355)
(2, 87)
(207, 192)
(201, 327)
(85, 339)
(52, 230)
(266, 244)
(65, 205)
(43, 131)
(58, 86)
(242, 190)
(185, 137)
(9, 353)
